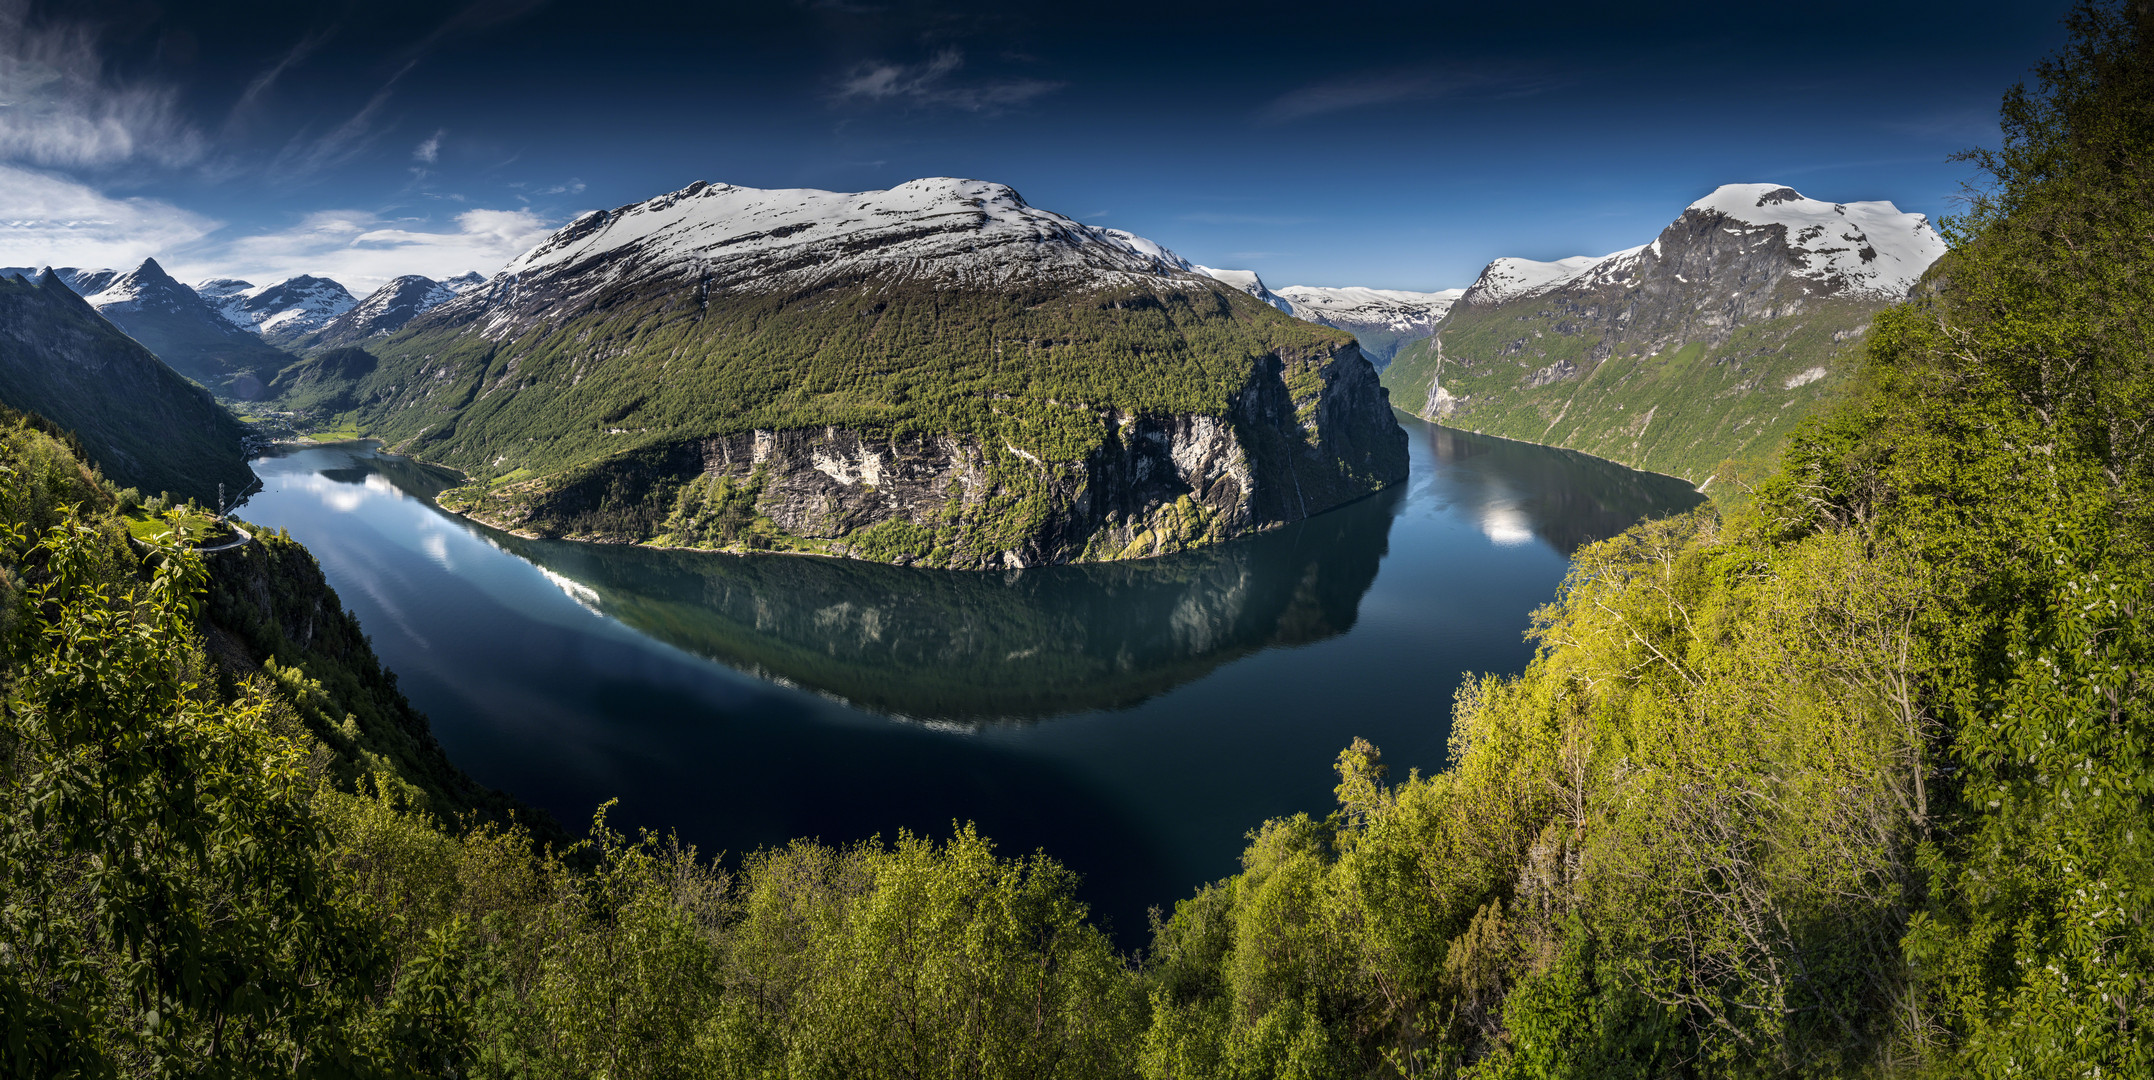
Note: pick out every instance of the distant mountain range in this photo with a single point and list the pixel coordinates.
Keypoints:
(1382, 320)
(1694, 354)
(177, 324)
(233, 336)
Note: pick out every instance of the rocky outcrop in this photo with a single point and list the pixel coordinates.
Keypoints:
(1311, 431)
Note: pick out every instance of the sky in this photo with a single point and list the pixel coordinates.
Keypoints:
(1392, 145)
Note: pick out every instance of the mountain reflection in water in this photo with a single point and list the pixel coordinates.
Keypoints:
(1132, 719)
(968, 647)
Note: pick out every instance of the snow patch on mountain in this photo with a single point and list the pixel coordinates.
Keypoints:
(387, 309)
(1865, 249)
(941, 227)
(1153, 249)
(1248, 282)
(288, 308)
(1352, 307)
(1510, 278)
(1871, 248)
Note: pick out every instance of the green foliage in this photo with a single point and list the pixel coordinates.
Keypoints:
(204, 871)
(1854, 781)
(165, 909)
(1713, 414)
(601, 424)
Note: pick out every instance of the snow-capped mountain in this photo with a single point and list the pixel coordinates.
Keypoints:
(387, 309)
(1392, 309)
(465, 282)
(177, 324)
(283, 311)
(1248, 282)
(1693, 354)
(1382, 320)
(718, 237)
(854, 353)
(1865, 249)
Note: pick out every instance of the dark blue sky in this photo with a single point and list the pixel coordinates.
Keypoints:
(1392, 145)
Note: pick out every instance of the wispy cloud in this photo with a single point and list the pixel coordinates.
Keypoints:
(47, 219)
(306, 154)
(1402, 86)
(363, 249)
(933, 83)
(472, 17)
(1964, 127)
(429, 150)
(260, 85)
(65, 110)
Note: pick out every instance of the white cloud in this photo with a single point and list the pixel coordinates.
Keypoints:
(63, 111)
(46, 219)
(430, 150)
(51, 220)
(363, 250)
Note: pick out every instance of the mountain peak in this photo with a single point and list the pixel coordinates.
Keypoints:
(723, 236)
(1871, 248)
(280, 310)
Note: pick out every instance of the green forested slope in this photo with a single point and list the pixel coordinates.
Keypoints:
(140, 421)
(1854, 781)
(593, 423)
(1709, 412)
(1033, 368)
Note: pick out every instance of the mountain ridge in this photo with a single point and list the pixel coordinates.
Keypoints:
(142, 422)
(1694, 354)
(937, 373)
(173, 321)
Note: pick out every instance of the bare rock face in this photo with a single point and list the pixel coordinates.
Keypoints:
(1310, 432)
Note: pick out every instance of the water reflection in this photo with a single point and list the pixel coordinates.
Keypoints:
(965, 648)
(969, 647)
(1518, 492)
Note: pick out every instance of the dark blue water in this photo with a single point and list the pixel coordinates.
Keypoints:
(1133, 720)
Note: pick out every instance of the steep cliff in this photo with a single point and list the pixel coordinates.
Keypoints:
(936, 374)
(1694, 355)
(136, 418)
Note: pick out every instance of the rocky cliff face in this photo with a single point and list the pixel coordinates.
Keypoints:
(1310, 431)
(1693, 355)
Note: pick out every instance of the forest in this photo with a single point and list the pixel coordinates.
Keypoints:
(1849, 777)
